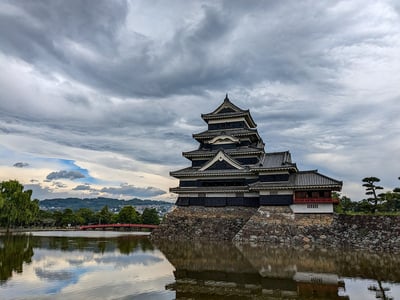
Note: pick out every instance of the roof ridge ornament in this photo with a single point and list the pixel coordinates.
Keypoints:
(226, 97)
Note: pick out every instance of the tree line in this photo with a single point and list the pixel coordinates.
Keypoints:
(376, 202)
(84, 216)
(18, 209)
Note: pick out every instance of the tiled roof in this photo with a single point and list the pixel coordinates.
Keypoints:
(313, 178)
(239, 151)
(276, 160)
(227, 104)
(300, 180)
(225, 115)
(225, 189)
(236, 132)
(229, 115)
(233, 111)
(195, 172)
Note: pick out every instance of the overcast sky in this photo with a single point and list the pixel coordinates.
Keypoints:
(100, 98)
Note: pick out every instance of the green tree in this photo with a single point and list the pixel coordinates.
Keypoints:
(397, 189)
(392, 200)
(17, 206)
(362, 206)
(345, 204)
(114, 218)
(371, 190)
(68, 217)
(1, 201)
(86, 216)
(58, 218)
(128, 215)
(150, 216)
(45, 218)
(104, 216)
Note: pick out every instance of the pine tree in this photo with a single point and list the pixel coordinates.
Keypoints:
(371, 189)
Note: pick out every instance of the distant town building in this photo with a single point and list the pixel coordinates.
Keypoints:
(231, 168)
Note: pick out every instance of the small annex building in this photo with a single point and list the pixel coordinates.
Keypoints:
(231, 168)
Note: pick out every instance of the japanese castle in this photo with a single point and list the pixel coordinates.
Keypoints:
(231, 168)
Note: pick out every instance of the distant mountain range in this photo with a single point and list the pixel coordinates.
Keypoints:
(97, 204)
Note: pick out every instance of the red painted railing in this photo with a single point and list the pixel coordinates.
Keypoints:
(103, 226)
(314, 200)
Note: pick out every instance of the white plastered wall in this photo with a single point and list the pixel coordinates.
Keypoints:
(307, 208)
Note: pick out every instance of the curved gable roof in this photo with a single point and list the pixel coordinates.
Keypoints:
(229, 110)
(222, 157)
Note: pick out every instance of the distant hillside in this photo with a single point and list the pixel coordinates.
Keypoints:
(96, 204)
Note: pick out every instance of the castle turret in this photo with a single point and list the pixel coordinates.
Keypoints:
(231, 168)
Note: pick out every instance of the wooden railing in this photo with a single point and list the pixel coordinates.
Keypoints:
(314, 200)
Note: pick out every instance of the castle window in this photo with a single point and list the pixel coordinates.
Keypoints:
(312, 205)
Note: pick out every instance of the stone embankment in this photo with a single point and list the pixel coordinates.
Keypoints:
(279, 225)
(204, 223)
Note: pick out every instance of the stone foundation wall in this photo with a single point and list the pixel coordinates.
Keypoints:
(208, 223)
(368, 232)
(279, 225)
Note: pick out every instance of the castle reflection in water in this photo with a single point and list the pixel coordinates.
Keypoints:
(226, 271)
(206, 270)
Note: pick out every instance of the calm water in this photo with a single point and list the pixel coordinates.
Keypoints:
(110, 265)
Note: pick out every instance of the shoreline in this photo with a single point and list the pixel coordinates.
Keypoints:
(31, 229)
(72, 229)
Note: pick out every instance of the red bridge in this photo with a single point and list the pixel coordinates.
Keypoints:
(117, 226)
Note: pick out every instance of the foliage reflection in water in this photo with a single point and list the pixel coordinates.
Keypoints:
(108, 266)
(67, 267)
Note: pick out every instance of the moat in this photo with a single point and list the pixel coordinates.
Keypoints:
(111, 265)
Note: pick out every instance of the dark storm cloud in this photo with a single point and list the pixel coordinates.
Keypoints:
(79, 100)
(227, 44)
(82, 187)
(21, 165)
(55, 35)
(58, 185)
(35, 30)
(63, 174)
(131, 190)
